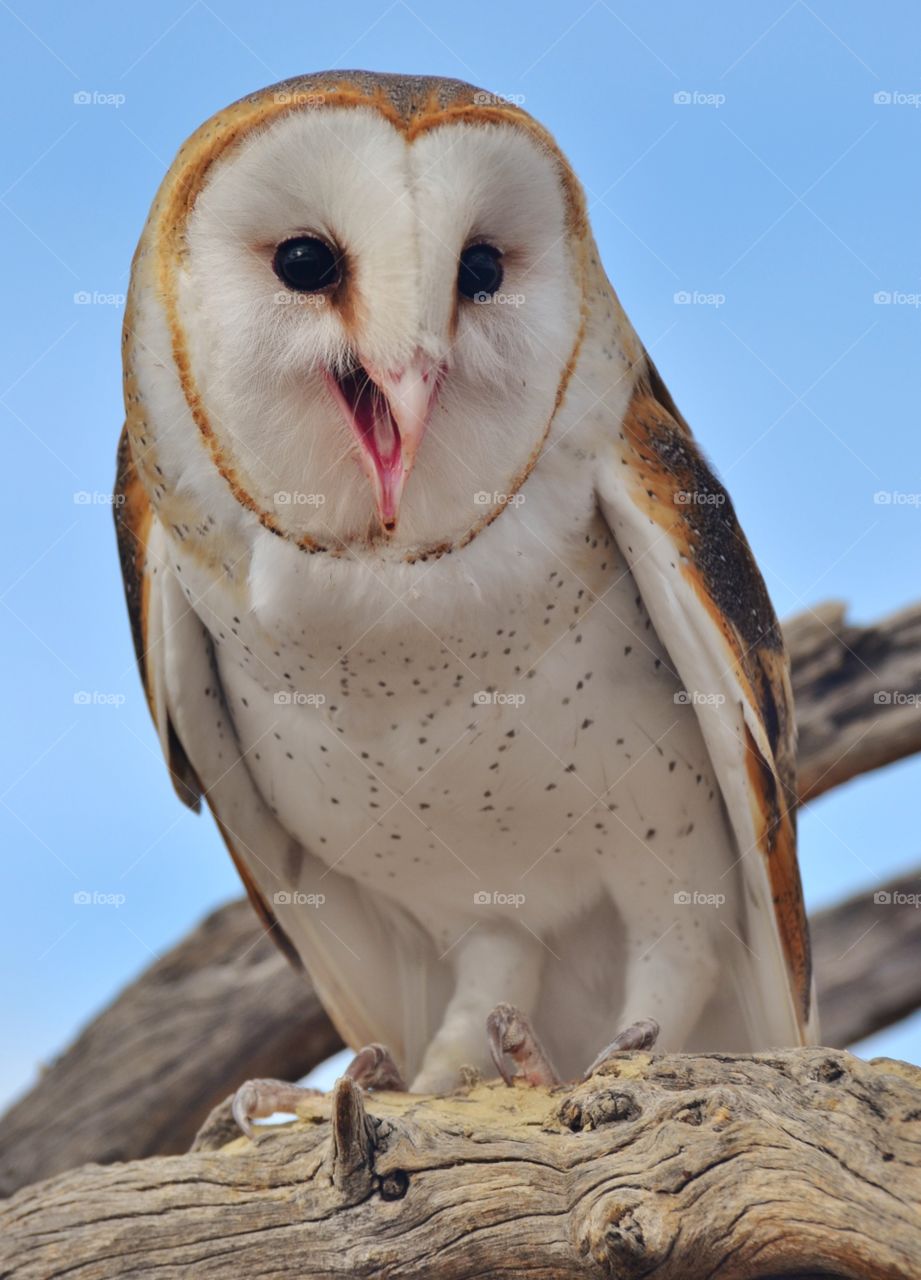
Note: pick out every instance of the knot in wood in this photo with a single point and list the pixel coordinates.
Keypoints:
(607, 1106)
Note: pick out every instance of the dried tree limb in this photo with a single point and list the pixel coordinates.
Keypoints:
(857, 692)
(223, 1006)
(868, 959)
(799, 1163)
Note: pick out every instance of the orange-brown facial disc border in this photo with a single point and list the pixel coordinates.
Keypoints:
(186, 177)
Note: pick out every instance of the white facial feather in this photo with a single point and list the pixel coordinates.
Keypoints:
(402, 214)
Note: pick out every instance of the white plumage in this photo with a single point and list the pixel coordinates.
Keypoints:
(487, 755)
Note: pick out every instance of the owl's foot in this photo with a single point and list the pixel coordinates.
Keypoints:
(257, 1099)
(639, 1035)
(372, 1068)
(511, 1036)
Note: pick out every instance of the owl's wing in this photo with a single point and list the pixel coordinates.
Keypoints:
(367, 959)
(144, 575)
(676, 527)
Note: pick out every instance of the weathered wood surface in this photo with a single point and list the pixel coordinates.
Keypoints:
(223, 1006)
(857, 691)
(867, 953)
(796, 1164)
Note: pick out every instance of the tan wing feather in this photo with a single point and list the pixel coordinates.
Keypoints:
(133, 524)
(133, 518)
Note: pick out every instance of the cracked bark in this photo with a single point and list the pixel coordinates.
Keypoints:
(725, 1167)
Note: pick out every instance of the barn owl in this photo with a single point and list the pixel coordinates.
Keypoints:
(437, 603)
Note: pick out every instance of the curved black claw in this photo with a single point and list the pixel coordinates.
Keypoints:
(511, 1035)
(373, 1067)
(639, 1035)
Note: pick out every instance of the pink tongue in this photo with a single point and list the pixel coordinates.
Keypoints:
(384, 435)
(388, 459)
(380, 437)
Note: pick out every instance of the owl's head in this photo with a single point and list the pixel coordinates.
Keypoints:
(373, 290)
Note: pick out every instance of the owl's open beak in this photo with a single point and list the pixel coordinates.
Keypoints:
(388, 411)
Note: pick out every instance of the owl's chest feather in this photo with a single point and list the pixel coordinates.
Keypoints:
(427, 755)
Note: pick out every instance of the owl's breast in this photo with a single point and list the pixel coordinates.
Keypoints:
(510, 751)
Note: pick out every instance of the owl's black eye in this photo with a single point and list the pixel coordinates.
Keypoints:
(306, 264)
(480, 273)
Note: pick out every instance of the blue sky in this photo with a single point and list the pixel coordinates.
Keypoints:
(759, 158)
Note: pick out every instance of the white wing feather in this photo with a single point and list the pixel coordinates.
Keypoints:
(699, 656)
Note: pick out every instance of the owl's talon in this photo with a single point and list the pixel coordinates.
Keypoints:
(511, 1035)
(639, 1035)
(257, 1099)
(373, 1067)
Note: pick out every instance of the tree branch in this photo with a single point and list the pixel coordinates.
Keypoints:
(857, 692)
(867, 952)
(801, 1162)
(221, 1007)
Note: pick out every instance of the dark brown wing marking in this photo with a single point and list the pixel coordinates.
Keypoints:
(776, 829)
